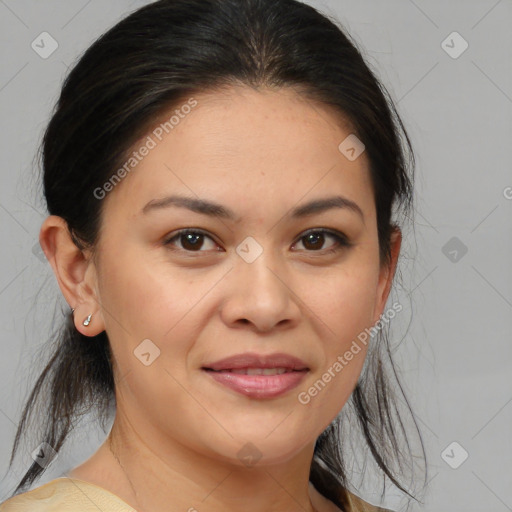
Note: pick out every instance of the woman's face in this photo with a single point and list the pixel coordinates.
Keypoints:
(254, 282)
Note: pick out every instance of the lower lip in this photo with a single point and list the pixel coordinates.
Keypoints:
(259, 386)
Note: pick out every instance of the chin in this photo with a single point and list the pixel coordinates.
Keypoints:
(262, 447)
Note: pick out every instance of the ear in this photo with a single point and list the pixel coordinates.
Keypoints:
(75, 273)
(387, 273)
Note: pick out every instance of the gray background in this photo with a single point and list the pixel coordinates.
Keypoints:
(456, 357)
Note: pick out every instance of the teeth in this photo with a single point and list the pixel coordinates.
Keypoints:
(261, 371)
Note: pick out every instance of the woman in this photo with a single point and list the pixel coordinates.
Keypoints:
(220, 177)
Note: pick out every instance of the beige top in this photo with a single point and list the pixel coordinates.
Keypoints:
(66, 494)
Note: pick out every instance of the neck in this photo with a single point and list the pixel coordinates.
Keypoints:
(178, 479)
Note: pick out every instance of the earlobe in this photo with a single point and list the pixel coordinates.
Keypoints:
(89, 324)
(70, 267)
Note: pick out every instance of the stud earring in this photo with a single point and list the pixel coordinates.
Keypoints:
(87, 321)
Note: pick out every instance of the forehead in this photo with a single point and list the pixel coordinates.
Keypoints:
(272, 144)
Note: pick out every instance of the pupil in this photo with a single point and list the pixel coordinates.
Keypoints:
(189, 237)
(314, 238)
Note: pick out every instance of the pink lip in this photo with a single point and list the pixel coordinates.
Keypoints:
(258, 386)
(253, 360)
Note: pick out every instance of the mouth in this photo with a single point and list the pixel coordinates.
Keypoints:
(250, 361)
(256, 371)
(258, 375)
(258, 383)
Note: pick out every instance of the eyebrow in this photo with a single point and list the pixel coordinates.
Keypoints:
(213, 209)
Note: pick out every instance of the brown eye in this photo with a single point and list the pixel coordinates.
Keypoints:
(314, 240)
(191, 240)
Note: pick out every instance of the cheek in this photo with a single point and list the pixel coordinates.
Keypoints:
(345, 303)
(344, 309)
(150, 321)
(139, 303)
(145, 296)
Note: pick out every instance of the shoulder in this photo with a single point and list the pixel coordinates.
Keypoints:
(63, 494)
(357, 504)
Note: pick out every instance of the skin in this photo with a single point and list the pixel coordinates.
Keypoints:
(177, 432)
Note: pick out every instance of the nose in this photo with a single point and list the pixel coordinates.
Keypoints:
(260, 295)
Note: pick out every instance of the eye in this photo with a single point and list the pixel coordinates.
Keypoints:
(315, 239)
(192, 240)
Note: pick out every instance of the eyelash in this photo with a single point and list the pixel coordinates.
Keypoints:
(341, 240)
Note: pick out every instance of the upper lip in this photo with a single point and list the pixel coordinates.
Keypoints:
(253, 360)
